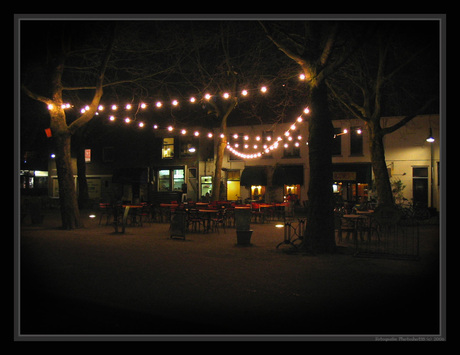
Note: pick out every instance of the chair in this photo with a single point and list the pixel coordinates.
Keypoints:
(342, 224)
(194, 219)
(256, 212)
(145, 214)
(230, 216)
(219, 220)
(105, 209)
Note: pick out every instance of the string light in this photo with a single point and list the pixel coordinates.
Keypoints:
(266, 149)
(271, 145)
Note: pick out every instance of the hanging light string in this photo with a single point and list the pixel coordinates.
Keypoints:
(258, 151)
(268, 147)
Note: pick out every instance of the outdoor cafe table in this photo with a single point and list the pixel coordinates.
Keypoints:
(357, 220)
(165, 207)
(208, 213)
(125, 217)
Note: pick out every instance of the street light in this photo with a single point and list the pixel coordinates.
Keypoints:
(430, 138)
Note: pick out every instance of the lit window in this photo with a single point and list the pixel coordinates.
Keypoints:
(164, 181)
(168, 148)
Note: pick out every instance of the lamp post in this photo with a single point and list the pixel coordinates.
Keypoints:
(430, 139)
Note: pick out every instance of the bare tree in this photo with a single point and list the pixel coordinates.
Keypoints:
(318, 50)
(61, 130)
(77, 62)
(227, 56)
(367, 85)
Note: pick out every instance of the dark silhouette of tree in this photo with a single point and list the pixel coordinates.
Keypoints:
(319, 48)
(394, 74)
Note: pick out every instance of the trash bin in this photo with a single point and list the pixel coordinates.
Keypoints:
(178, 224)
(242, 219)
(242, 223)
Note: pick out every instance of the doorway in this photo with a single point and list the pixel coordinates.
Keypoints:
(420, 186)
(233, 190)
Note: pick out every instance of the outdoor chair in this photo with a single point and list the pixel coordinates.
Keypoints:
(145, 214)
(230, 216)
(194, 220)
(219, 220)
(105, 209)
(257, 213)
(343, 225)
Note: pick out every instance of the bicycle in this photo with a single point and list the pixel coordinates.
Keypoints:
(410, 210)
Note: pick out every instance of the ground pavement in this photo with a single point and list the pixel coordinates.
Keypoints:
(94, 281)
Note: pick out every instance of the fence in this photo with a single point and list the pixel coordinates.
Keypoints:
(398, 240)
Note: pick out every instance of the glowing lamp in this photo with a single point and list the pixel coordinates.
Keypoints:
(430, 138)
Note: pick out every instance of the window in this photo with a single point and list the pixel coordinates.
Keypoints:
(237, 142)
(171, 179)
(337, 143)
(188, 147)
(267, 139)
(292, 146)
(257, 192)
(164, 181)
(108, 154)
(168, 148)
(356, 141)
(178, 179)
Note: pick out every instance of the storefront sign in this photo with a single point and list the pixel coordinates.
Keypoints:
(344, 175)
(87, 155)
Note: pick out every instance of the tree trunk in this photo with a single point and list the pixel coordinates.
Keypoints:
(215, 194)
(379, 166)
(70, 214)
(78, 142)
(218, 169)
(320, 215)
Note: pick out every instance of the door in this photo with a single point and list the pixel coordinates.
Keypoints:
(420, 186)
(233, 190)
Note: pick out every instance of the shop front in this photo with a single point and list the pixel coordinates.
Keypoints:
(351, 182)
(291, 178)
(255, 178)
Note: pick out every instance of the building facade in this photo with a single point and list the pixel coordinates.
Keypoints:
(261, 163)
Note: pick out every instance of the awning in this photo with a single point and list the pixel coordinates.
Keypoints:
(288, 175)
(254, 175)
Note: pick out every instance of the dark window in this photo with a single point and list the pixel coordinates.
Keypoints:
(337, 144)
(292, 145)
(356, 141)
